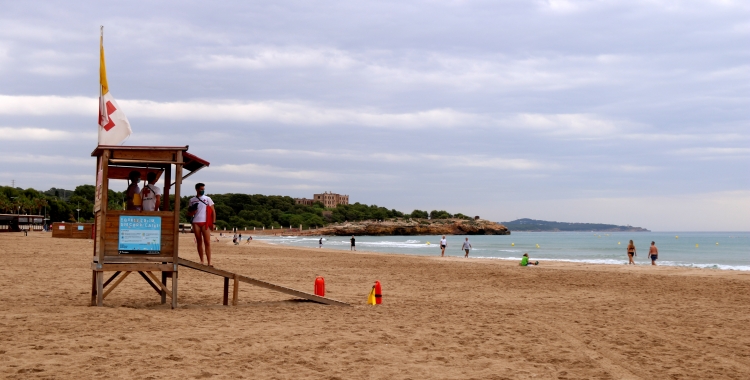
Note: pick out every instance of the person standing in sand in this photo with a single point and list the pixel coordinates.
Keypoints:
(653, 253)
(352, 248)
(466, 247)
(201, 209)
(631, 253)
(443, 245)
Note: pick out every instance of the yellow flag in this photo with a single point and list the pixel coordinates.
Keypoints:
(102, 67)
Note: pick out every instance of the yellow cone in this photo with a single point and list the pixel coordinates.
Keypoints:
(371, 297)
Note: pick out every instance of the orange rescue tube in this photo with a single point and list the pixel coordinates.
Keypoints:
(320, 286)
(378, 293)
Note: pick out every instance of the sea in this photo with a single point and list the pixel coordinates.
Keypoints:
(710, 250)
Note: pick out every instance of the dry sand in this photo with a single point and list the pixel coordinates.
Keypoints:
(441, 318)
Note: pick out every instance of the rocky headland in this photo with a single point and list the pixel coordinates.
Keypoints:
(412, 227)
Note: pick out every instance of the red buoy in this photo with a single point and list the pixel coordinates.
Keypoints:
(378, 293)
(320, 286)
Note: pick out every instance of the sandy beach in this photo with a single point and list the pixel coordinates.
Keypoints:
(441, 318)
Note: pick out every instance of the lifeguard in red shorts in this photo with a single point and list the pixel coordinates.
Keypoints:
(201, 209)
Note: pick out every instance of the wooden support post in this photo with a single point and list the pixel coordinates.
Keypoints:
(236, 290)
(93, 288)
(174, 289)
(164, 282)
(226, 291)
(99, 288)
(114, 285)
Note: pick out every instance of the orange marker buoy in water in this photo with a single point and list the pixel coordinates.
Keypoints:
(320, 286)
(378, 293)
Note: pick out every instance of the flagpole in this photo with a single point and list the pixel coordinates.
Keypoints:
(99, 121)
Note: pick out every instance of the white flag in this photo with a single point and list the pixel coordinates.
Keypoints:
(114, 127)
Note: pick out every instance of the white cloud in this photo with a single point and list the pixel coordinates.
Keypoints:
(442, 160)
(250, 170)
(48, 105)
(40, 134)
(47, 160)
(712, 153)
(583, 125)
(273, 58)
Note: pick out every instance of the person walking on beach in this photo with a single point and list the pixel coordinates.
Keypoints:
(352, 248)
(653, 253)
(320, 243)
(201, 209)
(466, 247)
(443, 245)
(151, 194)
(631, 253)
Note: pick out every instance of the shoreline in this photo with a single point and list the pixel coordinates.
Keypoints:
(554, 263)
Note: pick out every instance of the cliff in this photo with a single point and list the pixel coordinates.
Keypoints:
(413, 227)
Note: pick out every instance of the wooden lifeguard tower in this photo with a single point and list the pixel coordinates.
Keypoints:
(146, 242)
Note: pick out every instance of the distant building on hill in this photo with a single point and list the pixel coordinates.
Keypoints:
(328, 199)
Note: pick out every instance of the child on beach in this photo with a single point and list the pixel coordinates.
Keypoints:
(525, 261)
(631, 253)
(443, 245)
(653, 253)
(466, 247)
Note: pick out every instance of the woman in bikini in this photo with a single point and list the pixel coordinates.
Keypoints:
(631, 253)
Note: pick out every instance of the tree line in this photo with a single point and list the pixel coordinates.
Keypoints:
(232, 210)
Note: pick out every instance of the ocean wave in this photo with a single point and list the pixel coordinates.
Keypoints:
(623, 262)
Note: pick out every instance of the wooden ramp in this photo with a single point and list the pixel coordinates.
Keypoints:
(240, 278)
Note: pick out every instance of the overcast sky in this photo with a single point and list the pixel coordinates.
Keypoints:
(628, 112)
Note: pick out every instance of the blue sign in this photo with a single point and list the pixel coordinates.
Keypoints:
(140, 234)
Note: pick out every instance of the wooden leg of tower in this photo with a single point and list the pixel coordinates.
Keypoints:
(174, 289)
(99, 288)
(226, 291)
(93, 288)
(236, 290)
(164, 282)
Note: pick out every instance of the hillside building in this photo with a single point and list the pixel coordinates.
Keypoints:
(328, 199)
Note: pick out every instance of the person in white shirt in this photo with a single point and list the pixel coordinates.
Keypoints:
(443, 245)
(466, 247)
(201, 209)
(151, 194)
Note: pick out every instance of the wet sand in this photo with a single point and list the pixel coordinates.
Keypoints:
(441, 318)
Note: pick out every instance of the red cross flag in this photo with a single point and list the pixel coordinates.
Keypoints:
(114, 127)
